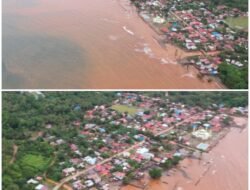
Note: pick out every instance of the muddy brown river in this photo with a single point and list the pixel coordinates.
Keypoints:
(87, 44)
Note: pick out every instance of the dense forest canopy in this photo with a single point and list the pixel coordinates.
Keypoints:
(28, 110)
(205, 99)
(25, 115)
(241, 4)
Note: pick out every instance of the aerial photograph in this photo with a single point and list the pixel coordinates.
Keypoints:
(125, 44)
(118, 140)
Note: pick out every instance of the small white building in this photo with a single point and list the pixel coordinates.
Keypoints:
(89, 183)
(32, 181)
(202, 134)
(148, 156)
(158, 20)
(142, 150)
(90, 160)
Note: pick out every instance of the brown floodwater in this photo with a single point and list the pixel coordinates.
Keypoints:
(223, 168)
(87, 44)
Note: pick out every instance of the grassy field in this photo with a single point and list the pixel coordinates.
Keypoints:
(122, 108)
(239, 22)
(35, 161)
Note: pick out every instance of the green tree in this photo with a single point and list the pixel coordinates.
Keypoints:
(233, 77)
(155, 173)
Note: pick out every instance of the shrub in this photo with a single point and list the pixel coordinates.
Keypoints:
(155, 173)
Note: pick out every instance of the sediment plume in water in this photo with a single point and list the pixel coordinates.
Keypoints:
(86, 44)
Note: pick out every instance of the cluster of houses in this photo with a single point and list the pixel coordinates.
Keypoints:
(195, 26)
(205, 65)
(129, 145)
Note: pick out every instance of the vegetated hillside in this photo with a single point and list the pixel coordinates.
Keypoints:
(25, 115)
(28, 111)
(231, 76)
(206, 99)
(241, 4)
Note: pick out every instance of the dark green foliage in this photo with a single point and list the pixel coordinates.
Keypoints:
(105, 155)
(155, 173)
(233, 77)
(240, 4)
(206, 99)
(127, 179)
(134, 164)
(169, 163)
(176, 160)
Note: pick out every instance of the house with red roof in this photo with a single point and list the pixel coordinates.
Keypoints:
(73, 147)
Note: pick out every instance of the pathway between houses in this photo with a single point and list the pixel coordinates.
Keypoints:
(65, 186)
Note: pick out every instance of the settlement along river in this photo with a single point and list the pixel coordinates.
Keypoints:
(225, 167)
(87, 44)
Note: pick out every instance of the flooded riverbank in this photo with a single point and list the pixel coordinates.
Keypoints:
(225, 167)
(87, 44)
